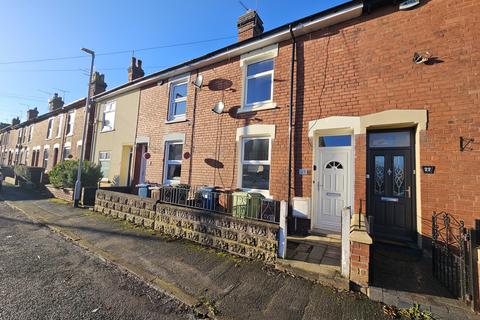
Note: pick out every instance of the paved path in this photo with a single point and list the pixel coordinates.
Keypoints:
(232, 288)
(43, 276)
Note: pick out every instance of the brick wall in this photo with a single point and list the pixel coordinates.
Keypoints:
(355, 68)
(248, 238)
(60, 193)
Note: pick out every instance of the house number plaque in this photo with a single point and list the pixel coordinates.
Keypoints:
(428, 169)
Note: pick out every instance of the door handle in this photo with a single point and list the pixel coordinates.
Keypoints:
(408, 191)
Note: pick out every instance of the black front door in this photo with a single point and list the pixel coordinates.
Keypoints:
(391, 184)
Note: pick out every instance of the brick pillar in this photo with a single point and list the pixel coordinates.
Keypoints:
(360, 253)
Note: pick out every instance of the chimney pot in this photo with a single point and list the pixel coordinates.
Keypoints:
(55, 103)
(135, 70)
(98, 84)
(249, 25)
(15, 121)
(32, 113)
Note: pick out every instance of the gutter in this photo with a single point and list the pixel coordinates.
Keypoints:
(330, 17)
(290, 119)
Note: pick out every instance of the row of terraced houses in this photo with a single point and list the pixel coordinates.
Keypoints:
(363, 106)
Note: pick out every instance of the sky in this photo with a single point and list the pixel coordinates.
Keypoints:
(114, 29)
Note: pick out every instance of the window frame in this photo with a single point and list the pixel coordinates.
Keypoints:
(167, 161)
(59, 128)
(104, 159)
(246, 77)
(66, 147)
(177, 82)
(243, 162)
(50, 127)
(47, 150)
(113, 108)
(70, 122)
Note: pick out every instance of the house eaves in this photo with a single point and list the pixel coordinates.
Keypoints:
(335, 15)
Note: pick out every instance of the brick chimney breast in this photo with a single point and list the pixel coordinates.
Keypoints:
(249, 25)
(135, 70)
(97, 85)
(55, 103)
(32, 113)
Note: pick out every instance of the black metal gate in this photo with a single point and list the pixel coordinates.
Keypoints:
(452, 255)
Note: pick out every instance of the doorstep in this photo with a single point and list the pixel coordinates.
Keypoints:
(317, 258)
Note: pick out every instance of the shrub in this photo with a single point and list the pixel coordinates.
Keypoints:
(64, 175)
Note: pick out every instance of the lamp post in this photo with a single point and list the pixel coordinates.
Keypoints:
(78, 183)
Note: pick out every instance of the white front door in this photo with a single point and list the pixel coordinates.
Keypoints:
(332, 185)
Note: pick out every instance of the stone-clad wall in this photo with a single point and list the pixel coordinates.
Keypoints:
(132, 208)
(252, 239)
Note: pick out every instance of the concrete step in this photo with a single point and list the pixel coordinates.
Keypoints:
(324, 274)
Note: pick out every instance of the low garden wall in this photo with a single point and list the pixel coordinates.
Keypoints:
(247, 238)
(60, 193)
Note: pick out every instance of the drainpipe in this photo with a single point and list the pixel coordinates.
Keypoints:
(193, 131)
(290, 119)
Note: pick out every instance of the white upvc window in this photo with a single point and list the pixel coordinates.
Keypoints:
(108, 121)
(259, 83)
(258, 79)
(255, 164)
(67, 151)
(59, 128)
(104, 161)
(30, 133)
(70, 122)
(173, 162)
(177, 105)
(50, 128)
(45, 156)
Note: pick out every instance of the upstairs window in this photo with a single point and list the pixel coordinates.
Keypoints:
(255, 164)
(178, 100)
(108, 122)
(259, 83)
(59, 128)
(70, 122)
(50, 128)
(30, 133)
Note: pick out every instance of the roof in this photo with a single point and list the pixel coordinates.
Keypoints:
(297, 24)
(72, 105)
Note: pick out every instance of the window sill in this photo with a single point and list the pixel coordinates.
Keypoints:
(69, 135)
(258, 107)
(105, 131)
(182, 119)
(265, 193)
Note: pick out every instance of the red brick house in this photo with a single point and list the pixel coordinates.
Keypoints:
(364, 106)
(365, 118)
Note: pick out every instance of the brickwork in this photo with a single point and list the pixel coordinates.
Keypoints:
(359, 263)
(60, 193)
(356, 68)
(248, 238)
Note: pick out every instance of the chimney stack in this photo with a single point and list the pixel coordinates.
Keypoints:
(32, 114)
(249, 25)
(97, 85)
(55, 103)
(15, 121)
(135, 70)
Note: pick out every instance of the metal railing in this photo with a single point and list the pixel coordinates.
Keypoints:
(237, 204)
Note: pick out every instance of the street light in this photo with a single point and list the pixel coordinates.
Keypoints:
(78, 183)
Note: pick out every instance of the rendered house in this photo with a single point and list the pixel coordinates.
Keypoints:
(115, 128)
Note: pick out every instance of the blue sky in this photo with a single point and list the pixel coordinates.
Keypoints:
(57, 28)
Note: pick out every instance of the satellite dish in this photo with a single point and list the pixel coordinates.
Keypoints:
(198, 82)
(405, 5)
(218, 108)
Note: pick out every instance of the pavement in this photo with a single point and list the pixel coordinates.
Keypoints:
(210, 281)
(43, 276)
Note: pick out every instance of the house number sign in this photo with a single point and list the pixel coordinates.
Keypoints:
(428, 169)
